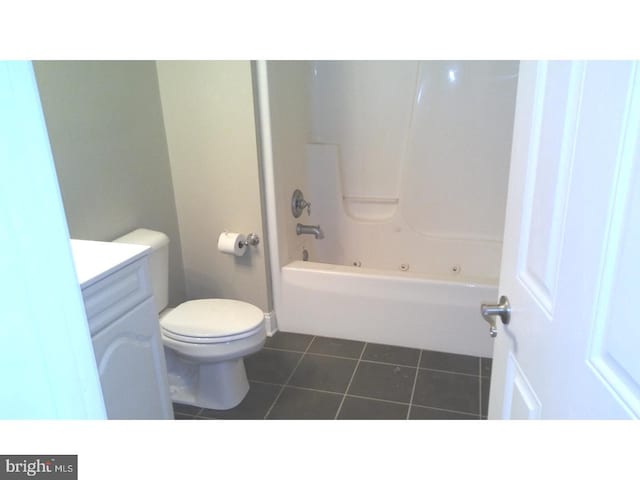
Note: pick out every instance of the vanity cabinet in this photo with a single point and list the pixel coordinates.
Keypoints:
(124, 327)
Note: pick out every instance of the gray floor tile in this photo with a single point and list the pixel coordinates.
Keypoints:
(186, 409)
(289, 341)
(184, 416)
(450, 362)
(485, 366)
(336, 346)
(449, 394)
(273, 366)
(324, 373)
(298, 404)
(449, 391)
(424, 413)
(364, 409)
(384, 382)
(484, 395)
(390, 354)
(254, 406)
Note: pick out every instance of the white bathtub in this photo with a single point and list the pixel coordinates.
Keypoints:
(378, 306)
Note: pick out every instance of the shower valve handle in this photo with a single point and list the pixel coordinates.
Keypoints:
(298, 204)
(304, 204)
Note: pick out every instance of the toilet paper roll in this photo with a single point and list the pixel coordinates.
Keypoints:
(230, 242)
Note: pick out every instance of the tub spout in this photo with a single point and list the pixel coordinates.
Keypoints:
(309, 230)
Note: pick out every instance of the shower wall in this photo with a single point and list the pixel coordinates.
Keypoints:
(408, 163)
(365, 108)
(290, 122)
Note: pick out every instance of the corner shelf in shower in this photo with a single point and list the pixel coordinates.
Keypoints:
(370, 208)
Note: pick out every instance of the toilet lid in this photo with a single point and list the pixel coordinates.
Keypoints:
(212, 318)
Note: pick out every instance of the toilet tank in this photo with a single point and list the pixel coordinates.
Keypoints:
(158, 261)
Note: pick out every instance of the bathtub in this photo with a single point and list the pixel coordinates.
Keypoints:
(379, 306)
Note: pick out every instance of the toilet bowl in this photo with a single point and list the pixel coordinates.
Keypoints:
(205, 340)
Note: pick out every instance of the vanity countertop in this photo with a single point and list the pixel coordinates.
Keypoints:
(95, 260)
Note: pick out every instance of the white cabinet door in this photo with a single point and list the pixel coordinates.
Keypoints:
(572, 246)
(131, 363)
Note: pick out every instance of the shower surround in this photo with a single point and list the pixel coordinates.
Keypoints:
(405, 164)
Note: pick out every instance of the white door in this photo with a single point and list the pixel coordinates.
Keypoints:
(571, 259)
(47, 365)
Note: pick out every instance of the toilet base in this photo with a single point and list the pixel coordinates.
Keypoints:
(219, 385)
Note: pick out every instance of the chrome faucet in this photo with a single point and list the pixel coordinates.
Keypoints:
(309, 230)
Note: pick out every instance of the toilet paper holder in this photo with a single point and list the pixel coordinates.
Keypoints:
(251, 239)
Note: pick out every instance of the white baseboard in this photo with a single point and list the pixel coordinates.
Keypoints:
(270, 323)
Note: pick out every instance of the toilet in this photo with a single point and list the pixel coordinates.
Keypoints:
(205, 341)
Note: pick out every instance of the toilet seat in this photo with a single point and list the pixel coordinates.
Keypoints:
(211, 321)
(210, 340)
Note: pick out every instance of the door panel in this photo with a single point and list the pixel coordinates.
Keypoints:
(571, 246)
(523, 403)
(130, 359)
(616, 330)
(549, 160)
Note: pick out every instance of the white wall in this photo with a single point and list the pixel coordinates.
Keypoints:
(107, 136)
(210, 127)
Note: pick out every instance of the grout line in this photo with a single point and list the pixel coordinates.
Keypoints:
(313, 353)
(359, 360)
(376, 399)
(415, 381)
(470, 414)
(206, 418)
(288, 379)
(404, 404)
(449, 371)
(296, 387)
(190, 416)
(198, 412)
(480, 387)
(474, 415)
(284, 349)
(338, 393)
(375, 361)
(388, 363)
(267, 383)
(487, 359)
(364, 347)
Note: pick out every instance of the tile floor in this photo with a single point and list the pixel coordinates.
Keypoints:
(299, 376)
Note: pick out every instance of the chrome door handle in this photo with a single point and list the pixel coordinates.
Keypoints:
(490, 311)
